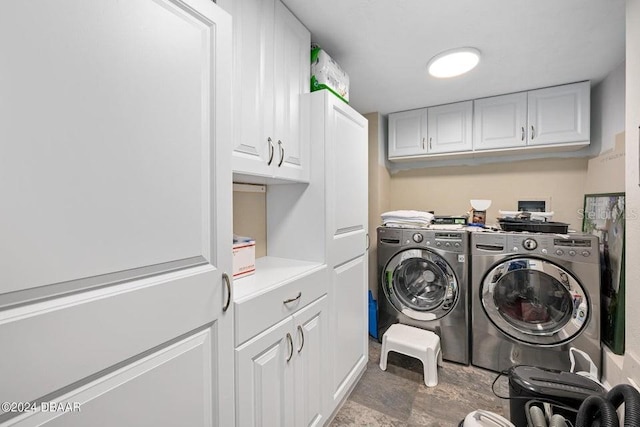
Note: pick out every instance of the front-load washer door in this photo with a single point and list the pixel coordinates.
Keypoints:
(420, 284)
(535, 301)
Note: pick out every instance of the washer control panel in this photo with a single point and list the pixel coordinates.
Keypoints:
(578, 248)
(449, 241)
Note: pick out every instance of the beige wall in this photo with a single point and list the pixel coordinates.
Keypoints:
(447, 190)
(379, 187)
(250, 218)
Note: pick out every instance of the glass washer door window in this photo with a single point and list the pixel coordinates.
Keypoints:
(535, 301)
(420, 284)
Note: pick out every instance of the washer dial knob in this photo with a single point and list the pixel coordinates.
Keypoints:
(417, 238)
(530, 244)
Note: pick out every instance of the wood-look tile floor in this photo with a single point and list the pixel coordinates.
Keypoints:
(398, 396)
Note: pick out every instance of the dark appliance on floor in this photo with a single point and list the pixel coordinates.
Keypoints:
(564, 390)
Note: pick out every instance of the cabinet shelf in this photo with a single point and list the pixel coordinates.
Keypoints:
(270, 273)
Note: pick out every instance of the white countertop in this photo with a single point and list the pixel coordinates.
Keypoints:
(271, 272)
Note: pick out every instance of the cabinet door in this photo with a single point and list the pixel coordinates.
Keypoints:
(253, 74)
(346, 193)
(408, 133)
(348, 325)
(450, 127)
(500, 122)
(264, 378)
(311, 386)
(116, 221)
(559, 114)
(291, 160)
(157, 390)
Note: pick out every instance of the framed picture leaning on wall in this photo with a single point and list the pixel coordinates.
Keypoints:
(604, 216)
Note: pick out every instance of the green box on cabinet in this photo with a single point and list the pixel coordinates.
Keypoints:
(327, 74)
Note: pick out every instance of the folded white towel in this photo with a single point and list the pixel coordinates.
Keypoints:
(406, 224)
(408, 214)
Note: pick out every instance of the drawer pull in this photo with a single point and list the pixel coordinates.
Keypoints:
(302, 336)
(290, 300)
(290, 346)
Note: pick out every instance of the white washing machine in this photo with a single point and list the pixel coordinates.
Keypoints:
(533, 297)
(423, 283)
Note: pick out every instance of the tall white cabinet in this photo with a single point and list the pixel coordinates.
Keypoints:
(343, 134)
(301, 320)
(116, 225)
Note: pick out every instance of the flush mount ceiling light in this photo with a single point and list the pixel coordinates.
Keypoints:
(454, 62)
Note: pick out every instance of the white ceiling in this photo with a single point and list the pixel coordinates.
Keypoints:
(384, 45)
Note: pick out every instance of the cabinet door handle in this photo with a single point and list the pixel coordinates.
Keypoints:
(532, 132)
(271, 150)
(225, 278)
(430, 139)
(368, 241)
(423, 143)
(302, 336)
(290, 300)
(281, 149)
(522, 137)
(290, 346)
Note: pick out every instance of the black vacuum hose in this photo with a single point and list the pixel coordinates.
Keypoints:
(596, 410)
(624, 393)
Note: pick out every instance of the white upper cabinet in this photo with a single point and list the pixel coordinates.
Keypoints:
(550, 119)
(559, 114)
(552, 116)
(408, 133)
(292, 43)
(434, 130)
(500, 122)
(449, 128)
(271, 70)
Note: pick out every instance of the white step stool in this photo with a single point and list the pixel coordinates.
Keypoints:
(414, 342)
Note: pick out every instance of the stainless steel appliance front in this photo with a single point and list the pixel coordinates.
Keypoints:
(533, 297)
(423, 283)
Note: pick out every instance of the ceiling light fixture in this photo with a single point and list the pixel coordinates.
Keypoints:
(454, 62)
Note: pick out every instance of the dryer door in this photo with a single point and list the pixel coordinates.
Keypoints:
(535, 301)
(420, 284)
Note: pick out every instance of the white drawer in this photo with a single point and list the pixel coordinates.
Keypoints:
(255, 314)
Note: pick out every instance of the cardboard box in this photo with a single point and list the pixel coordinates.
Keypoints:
(244, 258)
(327, 74)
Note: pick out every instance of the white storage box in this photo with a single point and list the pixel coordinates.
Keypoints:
(244, 258)
(327, 74)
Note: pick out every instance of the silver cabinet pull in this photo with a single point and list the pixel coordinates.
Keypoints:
(290, 300)
(281, 149)
(522, 137)
(423, 143)
(271, 150)
(532, 132)
(290, 346)
(301, 335)
(430, 140)
(368, 241)
(225, 278)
